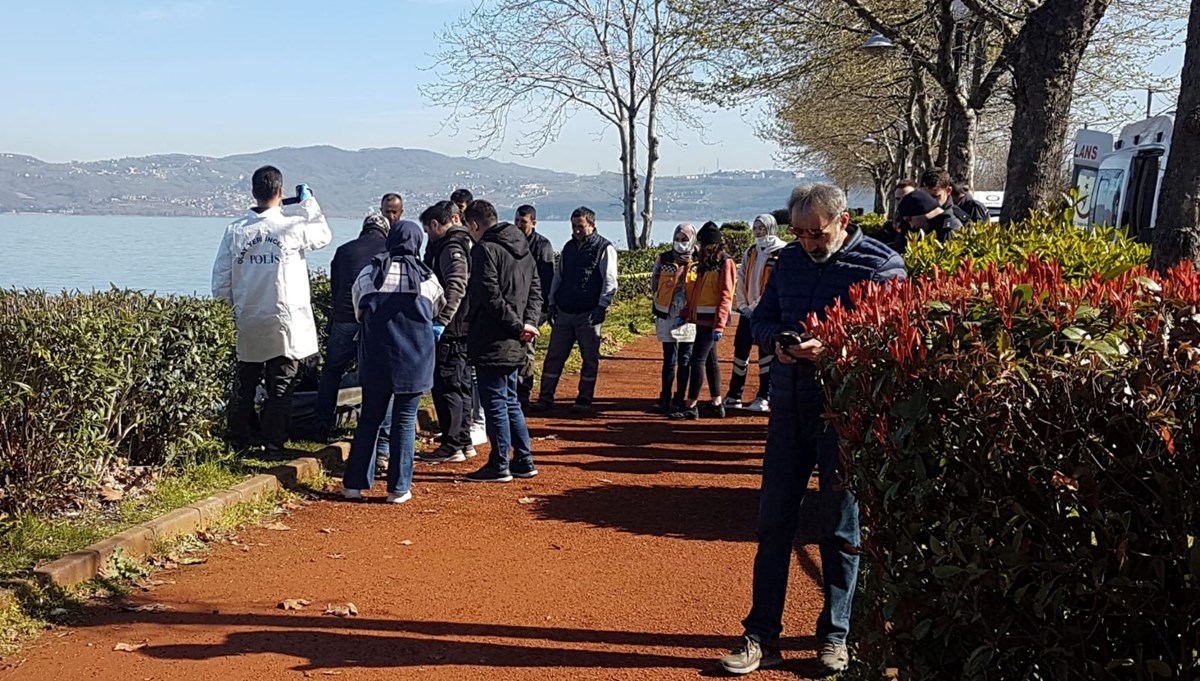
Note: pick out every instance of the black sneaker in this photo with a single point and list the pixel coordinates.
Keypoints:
(541, 406)
(685, 415)
(661, 408)
(489, 474)
(712, 411)
(751, 656)
(445, 454)
(581, 408)
(523, 470)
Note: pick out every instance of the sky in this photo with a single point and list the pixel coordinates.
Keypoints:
(86, 80)
(90, 80)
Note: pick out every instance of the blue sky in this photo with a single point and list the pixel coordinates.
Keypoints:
(84, 80)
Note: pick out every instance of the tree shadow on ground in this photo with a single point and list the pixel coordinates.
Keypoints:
(698, 513)
(652, 466)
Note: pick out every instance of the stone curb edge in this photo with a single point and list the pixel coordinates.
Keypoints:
(138, 541)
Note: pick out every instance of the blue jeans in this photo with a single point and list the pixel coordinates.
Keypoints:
(340, 350)
(360, 469)
(506, 427)
(798, 440)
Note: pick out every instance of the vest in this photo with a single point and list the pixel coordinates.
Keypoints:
(751, 261)
(704, 294)
(581, 280)
(670, 277)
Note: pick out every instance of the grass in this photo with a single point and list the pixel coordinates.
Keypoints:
(626, 321)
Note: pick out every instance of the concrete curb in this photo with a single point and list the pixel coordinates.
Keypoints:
(138, 541)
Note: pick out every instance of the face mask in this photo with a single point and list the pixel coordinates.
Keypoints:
(763, 241)
(683, 247)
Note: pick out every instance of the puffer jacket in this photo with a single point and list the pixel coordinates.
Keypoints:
(504, 297)
(800, 286)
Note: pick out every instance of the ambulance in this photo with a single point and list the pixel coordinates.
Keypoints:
(1120, 179)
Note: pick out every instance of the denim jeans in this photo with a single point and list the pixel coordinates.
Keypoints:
(340, 349)
(798, 440)
(569, 329)
(676, 371)
(360, 469)
(506, 427)
(704, 364)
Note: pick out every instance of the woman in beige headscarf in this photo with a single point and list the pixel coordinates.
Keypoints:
(668, 285)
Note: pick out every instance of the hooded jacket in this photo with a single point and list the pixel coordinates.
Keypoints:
(397, 298)
(449, 257)
(349, 260)
(800, 286)
(261, 270)
(503, 298)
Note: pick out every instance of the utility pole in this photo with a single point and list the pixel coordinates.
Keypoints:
(1149, 101)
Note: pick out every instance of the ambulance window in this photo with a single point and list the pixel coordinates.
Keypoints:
(1109, 185)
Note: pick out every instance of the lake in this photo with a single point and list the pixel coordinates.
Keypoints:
(162, 254)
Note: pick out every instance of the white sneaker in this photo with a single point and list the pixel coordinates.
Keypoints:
(469, 452)
(731, 403)
(478, 436)
(759, 405)
(399, 498)
(355, 494)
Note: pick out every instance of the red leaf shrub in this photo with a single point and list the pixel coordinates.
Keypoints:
(1024, 449)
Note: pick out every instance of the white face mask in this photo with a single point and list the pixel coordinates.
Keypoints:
(763, 241)
(683, 247)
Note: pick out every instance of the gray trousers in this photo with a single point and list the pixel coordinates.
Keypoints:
(569, 329)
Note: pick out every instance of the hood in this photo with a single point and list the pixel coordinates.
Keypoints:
(508, 236)
(405, 239)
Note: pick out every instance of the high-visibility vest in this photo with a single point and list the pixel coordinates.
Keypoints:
(670, 278)
(704, 294)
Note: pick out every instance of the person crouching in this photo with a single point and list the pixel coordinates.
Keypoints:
(396, 299)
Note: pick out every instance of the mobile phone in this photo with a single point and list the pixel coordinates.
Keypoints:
(788, 339)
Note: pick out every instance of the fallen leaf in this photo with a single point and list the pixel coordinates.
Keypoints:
(277, 527)
(547, 437)
(192, 560)
(110, 493)
(128, 647)
(294, 604)
(406, 542)
(334, 556)
(527, 500)
(150, 607)
(327, 530)
(341, 610)
(606, 481)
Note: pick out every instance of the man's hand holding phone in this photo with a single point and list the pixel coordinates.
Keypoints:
(791, 346)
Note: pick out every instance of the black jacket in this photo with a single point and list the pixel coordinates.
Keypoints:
(349, 260)
(503, 298)
(543, 255)
(958, 213)
(449, 258)
(974, 210)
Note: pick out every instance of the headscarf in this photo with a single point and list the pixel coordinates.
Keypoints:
(376, 221)
(769, 222)
(404, 247)
(690, 230)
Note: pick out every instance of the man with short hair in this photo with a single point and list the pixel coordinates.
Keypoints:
(262, 271)
(543, 254)
(448, 255)
(505, 305)
(461, 198)
(392, 208)
(972, 207)
(937, 182)
(478, 428)
(585, 283)
(817, 270)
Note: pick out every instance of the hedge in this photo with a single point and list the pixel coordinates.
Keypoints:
(1023, 440)
(88, 379)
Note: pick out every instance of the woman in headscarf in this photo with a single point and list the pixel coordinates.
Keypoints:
(709, 301)
(668, 283)
(758, 263)
(396, 298)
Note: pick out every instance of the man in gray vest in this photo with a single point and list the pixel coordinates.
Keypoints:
(585, 282)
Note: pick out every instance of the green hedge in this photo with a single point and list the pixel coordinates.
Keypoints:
(1023, 442)
(869, 223)
(90, 378)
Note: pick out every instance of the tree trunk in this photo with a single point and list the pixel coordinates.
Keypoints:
(628, 183)
(1177, 230)
(1045, 60)
(651, 168)
(961, 126)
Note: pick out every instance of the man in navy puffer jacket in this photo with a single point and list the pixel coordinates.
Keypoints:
(827, 258)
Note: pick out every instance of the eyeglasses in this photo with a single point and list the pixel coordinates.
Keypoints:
(818, 233)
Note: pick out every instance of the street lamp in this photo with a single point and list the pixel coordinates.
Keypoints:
(878, 43)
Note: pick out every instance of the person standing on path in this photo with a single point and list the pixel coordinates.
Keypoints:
(449, 255)
(757, 264)
(461, 198)
(968, 204)
(673, 271)
(709, 302)
(817, 270)
(397, 299)
(261, 270)
(585, 284)
(505, 305)
(543, 254)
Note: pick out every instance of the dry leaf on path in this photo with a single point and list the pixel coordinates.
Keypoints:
(277, 527)
(294, 604)
(546, 437)
(110, 493)
(128, 647)
(606, 481)
(406, 542)
(527, 500)
(149, 607)
(327, 530)
(334, 556)
(341, 610)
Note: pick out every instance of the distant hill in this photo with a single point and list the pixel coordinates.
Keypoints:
(349, 182)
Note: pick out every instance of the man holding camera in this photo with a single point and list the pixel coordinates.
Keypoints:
(819, 268)
(261, 270)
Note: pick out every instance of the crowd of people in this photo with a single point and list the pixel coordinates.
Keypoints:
(461, 320)
(939, 206)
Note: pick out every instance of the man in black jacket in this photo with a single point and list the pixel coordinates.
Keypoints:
(505, 305)
(585, 283)
(342, 345)
(937, 183)
(543, 254)
(448, 255)
(971, 206)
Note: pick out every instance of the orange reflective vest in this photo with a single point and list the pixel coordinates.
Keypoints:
(670, 277)
(750, 261)
(710, 296)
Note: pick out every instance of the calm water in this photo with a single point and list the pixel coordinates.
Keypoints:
(167, 255)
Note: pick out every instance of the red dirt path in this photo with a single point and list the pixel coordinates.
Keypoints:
(632, 563)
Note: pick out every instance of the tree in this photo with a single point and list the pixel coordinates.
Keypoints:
(541, 61)
(1177, 232)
